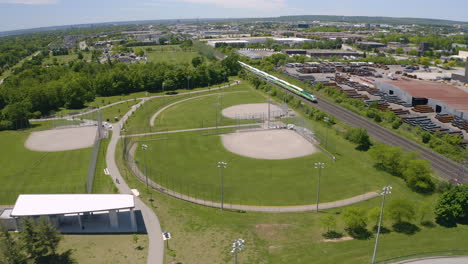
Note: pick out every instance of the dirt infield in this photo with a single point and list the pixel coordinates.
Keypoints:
(268, 144)
(251, 111)
(61, 139)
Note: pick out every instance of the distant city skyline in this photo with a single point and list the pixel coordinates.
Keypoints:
(24, 14)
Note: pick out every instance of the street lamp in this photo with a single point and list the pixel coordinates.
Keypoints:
(386, 190)
(319, 166)
(237, 247)
(222, 165)
(145, 147)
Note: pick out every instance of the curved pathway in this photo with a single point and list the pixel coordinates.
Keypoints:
(251, 208)
(436, 260)
(153, 226)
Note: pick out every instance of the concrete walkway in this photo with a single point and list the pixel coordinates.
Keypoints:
(153, 227)
(250, 208)
(437, 260)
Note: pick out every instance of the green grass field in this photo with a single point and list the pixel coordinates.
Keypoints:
(208, 113)
(172, 57)
(64, 59)
(103, 183)
(204, 235)
(25, 171)
(92, 249)
(139, 122)
(160, 48)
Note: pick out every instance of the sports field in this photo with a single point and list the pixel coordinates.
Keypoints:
(26, 171)
(172, 57)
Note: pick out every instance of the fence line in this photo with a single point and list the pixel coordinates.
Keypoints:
(94, 155)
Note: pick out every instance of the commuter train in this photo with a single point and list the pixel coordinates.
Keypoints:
(283, 84)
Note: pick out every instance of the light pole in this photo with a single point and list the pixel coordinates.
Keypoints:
(319, 166)
(188, 82)
(237, 247)
(386, 190)
(220, 101)
(145, 147)
(216, 115)
(222, 165)
(163, 84)
(326, 119)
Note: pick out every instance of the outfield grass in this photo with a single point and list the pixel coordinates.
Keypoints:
(160, 48)
(204, 235)
(172, 57)
(139, 122)
(25, 171)
(92, 249)
(208, 111)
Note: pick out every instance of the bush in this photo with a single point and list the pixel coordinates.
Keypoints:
(426, 137)
(397, 123)
(359, 136)
(452, 207)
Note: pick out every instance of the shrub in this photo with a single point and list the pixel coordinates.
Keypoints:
(452, 206)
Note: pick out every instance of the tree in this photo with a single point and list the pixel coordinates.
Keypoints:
(355, 218)
(418, 176)
(328, 222)
(198, 60)
(425, 61)
(231, 64)
(80, 56)
(426, 137)
(10, 249)
(18, 114)
(140, 52)
(360, 137)
(413, 52)
(399, 51)
(387, 158)
(374, 215)
(452, 206)
(401, 209)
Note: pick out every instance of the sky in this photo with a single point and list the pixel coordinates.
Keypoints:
(22, 14)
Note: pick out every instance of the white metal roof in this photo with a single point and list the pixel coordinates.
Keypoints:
(53, 204)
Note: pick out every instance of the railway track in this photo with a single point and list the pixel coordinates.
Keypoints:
(447, 168)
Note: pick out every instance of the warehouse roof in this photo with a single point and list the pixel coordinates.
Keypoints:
(444, 93)
(54, 204)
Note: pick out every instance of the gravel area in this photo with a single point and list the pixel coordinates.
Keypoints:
(268, 144)
(252, 111)
(62, 139)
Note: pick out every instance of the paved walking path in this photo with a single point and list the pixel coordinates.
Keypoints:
(153, 227)
(437, 260)
(251, 208)
(190, 130)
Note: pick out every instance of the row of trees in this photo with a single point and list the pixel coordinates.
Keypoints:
(402, 213)
(38, 90)
(416, 172)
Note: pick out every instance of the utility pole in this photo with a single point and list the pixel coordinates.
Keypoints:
(237, 247)
(386, 190)
(319, 166)
(222, 165)
(327, 120)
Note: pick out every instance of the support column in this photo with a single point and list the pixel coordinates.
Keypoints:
(113, 219)
(17, 224)
(79, 221)
(133, 223)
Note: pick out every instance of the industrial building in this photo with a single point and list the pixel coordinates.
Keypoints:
(242, 42)
(443, 98)
(323, 53)
(367, 45)
(462, 78)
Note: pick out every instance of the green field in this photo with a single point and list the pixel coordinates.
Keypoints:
(204, 235)
(160, 48)
(92, 249)
(25, 171)
(208, 111)
(64, 59)
(172, 57)
(139, 122)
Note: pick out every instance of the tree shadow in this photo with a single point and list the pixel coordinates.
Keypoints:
(359, 233)
(332, 234)
(428, 224)
(64, 258)
(406, 228)
(383, 229)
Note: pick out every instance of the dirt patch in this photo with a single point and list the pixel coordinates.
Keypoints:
(272, 231)
(61, 139)
(268, 144)
(337, 239)
(253, 111)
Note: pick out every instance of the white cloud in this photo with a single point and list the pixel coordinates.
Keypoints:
(29, 2)
(247, 4)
